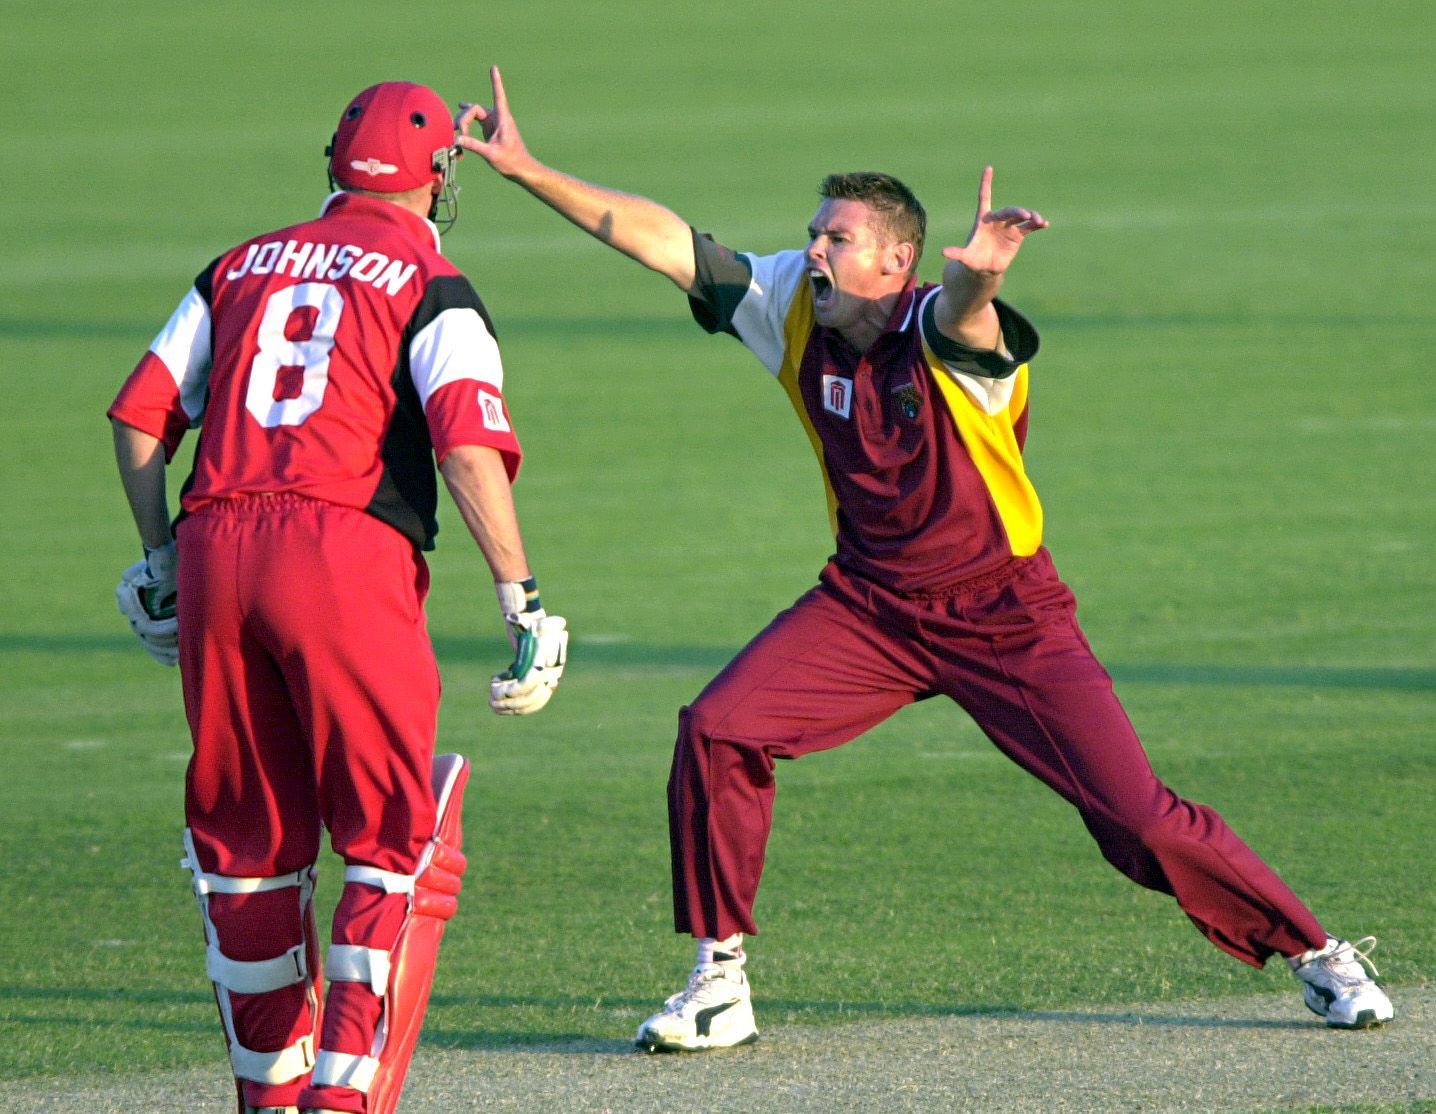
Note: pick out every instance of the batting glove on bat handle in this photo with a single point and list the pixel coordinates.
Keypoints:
(540, 643)
(146, 597)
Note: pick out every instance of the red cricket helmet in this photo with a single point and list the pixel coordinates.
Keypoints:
(393, 136)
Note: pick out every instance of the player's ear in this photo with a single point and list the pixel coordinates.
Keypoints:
(899, 258)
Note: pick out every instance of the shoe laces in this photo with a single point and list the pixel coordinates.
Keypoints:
(1351, 960)
(700, 981)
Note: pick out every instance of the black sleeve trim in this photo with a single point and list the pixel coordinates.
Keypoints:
(446, 292)
(407, 494)
(721, 280)
(1017, 333)
(204, 282)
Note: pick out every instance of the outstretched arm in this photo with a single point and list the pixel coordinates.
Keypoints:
(642, 229)
(974, 273)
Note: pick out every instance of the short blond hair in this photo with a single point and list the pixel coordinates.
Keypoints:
(897, 213)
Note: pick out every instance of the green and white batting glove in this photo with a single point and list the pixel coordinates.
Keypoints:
(540, 643)
(146, 597)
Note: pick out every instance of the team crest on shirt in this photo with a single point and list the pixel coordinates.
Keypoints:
(838, 395)
(908, 400)
(492, 412)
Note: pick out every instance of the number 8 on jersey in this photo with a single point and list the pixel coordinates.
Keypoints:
(291, 369)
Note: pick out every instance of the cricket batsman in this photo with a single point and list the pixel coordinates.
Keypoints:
(328, 366)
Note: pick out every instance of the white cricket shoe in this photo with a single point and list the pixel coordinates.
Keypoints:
(715, 1010)
(1337, 987)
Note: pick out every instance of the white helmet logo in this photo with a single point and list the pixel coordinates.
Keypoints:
(374, 167)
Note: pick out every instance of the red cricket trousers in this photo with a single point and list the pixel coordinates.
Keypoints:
(312, 696)
(1008, 649)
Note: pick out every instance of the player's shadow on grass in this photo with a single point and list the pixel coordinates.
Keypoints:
(648, 656)
(116, 1007)
(498, 1038)
(643, 655)
(126, 1008)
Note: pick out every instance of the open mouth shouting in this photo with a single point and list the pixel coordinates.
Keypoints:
(824, 292)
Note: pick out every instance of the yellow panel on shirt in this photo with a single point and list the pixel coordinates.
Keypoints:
(991, 442)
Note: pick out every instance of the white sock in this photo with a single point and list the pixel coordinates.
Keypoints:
(729, 950)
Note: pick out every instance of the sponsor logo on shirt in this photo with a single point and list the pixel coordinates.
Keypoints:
(492, 412)
(838, 395)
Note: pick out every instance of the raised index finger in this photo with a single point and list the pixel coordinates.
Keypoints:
(984, 193)
(501, 101)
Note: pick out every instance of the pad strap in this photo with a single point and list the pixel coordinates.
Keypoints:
(353, 963)
(233, 884)
(227, 884)
(273, 1067)
(386, 880)
(342, 1069)
(256, 976)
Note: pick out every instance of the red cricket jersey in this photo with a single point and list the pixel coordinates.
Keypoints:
(920, 438)
(333, 359)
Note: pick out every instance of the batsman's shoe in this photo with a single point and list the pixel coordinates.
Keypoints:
(715, 1010)
(1336, 985)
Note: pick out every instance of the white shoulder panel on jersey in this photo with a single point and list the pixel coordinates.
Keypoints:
(184, 348)
(763, 312)
(991, 396)
(455, 345)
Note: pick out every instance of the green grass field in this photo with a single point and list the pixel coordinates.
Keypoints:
(1232, 431)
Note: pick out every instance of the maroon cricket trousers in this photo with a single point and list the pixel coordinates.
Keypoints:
(1008, 649)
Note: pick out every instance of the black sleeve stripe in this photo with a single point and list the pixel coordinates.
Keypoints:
(721, 280)
(204, 283)
(446, 292)
(1017, 333)
(407, 495)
